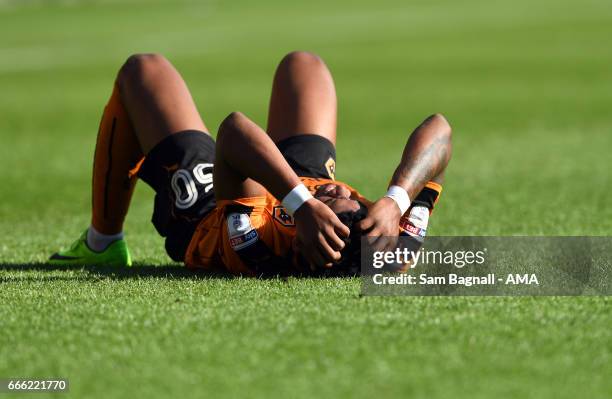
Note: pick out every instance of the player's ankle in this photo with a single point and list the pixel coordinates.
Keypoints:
(98, 242)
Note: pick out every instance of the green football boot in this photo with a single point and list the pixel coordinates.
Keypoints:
(117, 254)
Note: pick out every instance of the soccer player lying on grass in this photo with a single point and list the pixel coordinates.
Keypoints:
(261, 216)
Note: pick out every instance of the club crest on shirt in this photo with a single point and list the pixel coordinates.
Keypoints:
(330, 165)
(281, 216)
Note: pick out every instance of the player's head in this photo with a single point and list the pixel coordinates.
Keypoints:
(350, 212)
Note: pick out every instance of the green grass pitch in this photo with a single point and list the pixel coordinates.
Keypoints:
(527, 88)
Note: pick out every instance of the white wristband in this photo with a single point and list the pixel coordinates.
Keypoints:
(400, 196)
(295, 198)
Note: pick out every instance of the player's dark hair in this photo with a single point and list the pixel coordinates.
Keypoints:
(350, 263)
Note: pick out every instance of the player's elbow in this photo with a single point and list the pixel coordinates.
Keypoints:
(443, 128)
(443, 133)
(445, 125)
(442, 123)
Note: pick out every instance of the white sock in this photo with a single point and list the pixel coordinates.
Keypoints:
(98, 242)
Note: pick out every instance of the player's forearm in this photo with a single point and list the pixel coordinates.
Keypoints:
(425, 155)
(250, 151)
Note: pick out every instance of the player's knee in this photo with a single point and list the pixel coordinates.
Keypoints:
(302, 57)
(138, 66)
(297, 60)
(229, 124)
(233, 119)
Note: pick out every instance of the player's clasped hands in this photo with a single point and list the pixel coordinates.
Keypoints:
(381, 224)
(319, 233)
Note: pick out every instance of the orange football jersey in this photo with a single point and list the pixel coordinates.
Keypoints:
(240, 235)
(251, 236)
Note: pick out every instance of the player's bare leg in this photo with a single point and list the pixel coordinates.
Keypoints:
(149, 102)
(157, 99)
(303, 102)
(303, 106)
(303, 98)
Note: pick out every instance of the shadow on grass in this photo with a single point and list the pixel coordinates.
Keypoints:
(168, 271)
(172, 272)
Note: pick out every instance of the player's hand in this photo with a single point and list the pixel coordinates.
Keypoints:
(319, 233)
(382, 224)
